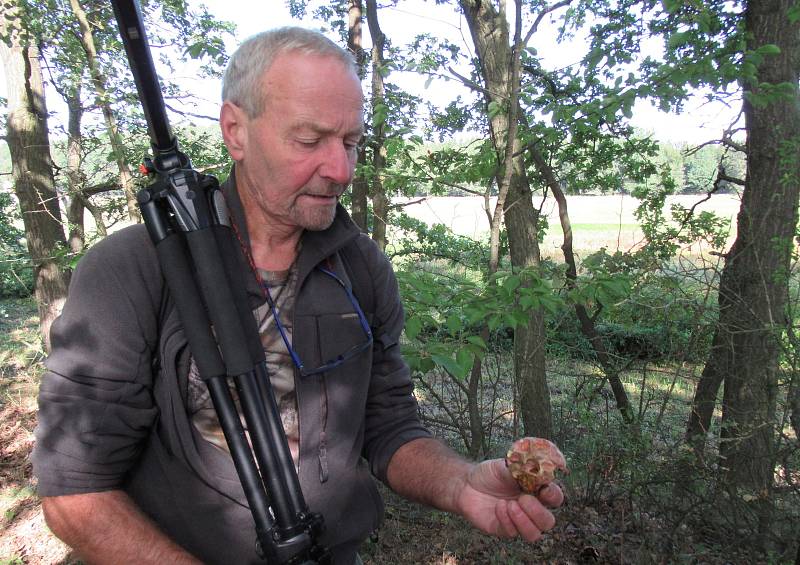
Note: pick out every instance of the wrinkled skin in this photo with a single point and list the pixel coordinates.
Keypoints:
(533, 462)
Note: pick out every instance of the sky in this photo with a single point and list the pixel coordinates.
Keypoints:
(699, 121)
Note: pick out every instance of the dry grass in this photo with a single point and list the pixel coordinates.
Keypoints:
(24, 537)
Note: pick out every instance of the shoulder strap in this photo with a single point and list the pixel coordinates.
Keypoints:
(356, 266)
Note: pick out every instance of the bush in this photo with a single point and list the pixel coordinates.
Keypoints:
(16, 272)
(660, 321)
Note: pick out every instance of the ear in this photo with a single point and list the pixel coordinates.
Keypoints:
(233, 124)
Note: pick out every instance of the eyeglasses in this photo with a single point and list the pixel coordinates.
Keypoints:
(339, 359)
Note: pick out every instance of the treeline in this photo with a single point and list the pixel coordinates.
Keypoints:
(705, 168)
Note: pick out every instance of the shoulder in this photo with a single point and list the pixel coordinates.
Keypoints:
(127, 252)
(129, 242)
(369, 252)
(109, 324)
(119, 272)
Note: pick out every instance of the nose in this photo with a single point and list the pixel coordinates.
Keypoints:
(338, 163)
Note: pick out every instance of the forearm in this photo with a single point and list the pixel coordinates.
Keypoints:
(427, 471)
(107, 527)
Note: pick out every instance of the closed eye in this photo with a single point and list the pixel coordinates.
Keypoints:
(352, 145)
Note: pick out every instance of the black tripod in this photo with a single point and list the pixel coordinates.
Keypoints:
(188, 222)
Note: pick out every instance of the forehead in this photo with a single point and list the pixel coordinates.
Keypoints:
(314, 83)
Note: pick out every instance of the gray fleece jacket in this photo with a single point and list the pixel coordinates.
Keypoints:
(112, 406)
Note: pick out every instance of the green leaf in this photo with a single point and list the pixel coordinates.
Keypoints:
(679, 38)
(511, 320)
(794, 13)
(413, 327)
(511, 283)
(450, 365)
(195, 50)
(474, 314)
(477, 340)
(426, 364)
(769, 49)
(671, 6)
(386, 70)
(454, 324)
(379, 114)
(428, 82)
(494, 109)
(594, 57)
(465, 359)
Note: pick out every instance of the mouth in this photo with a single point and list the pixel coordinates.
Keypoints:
(323, 197)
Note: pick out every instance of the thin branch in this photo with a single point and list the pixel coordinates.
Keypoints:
(404, 204)
(697, 148)
(468, 82)
(722, 176)
(727, 141)
(190, 114)
(100, 188)
(541, 16)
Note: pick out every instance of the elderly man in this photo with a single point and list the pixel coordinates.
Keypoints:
(129, 455)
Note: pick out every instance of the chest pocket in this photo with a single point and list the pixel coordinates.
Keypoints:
(341, 338)
(331, 334)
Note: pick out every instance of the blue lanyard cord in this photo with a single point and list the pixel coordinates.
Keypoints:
(281, 330)
(332, 364)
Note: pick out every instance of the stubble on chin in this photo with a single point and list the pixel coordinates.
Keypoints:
(315, 219)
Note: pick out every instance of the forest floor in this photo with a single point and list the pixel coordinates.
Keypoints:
(612, 532)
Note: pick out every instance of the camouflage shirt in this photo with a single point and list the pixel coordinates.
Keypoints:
(282, 288)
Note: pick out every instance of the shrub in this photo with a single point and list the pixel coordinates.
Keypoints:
(16, 272)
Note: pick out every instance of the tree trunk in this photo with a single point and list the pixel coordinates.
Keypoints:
(499, 68)
(477, 444)
(754, 283)
(588, 327)
(101, 90)
(360, 187)
(705, 396)
(380, 203)
(794, 406)
(75, 177)
(32, 168)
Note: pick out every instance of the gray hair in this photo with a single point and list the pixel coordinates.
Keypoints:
(255, 56)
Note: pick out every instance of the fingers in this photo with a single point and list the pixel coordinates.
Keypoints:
(551, 496)
(530, 528)
(506, 528)
(524, 517)
(536, 513)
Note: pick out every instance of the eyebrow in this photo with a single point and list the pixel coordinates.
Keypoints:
(317, 128)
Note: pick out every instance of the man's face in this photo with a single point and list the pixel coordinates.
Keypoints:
(296, 159)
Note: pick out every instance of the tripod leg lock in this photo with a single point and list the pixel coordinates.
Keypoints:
(294, 549)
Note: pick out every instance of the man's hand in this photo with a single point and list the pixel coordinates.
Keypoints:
(486, 494)
(493, 502)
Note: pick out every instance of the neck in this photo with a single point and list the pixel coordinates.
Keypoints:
(273, 247)
(274, 252)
